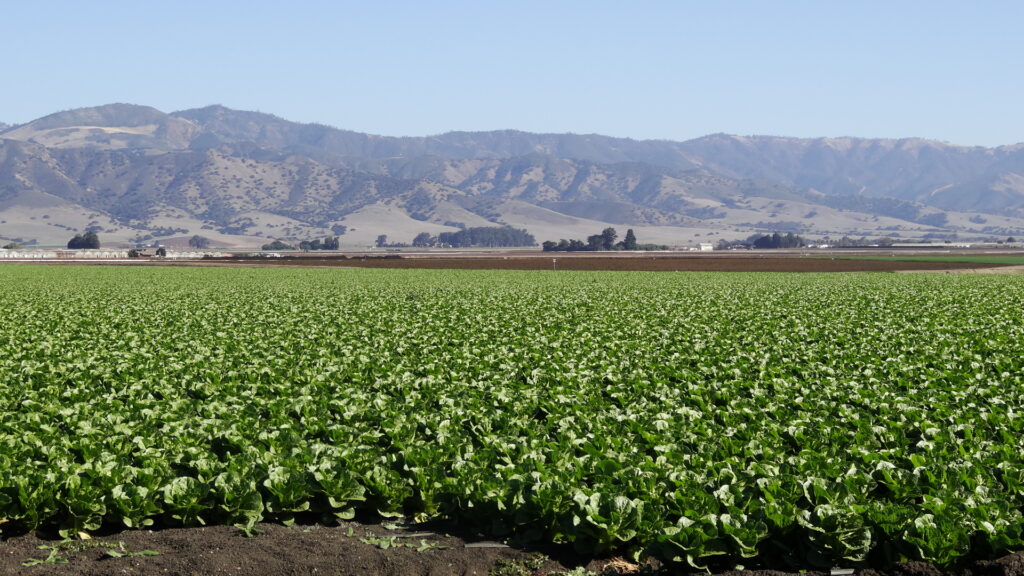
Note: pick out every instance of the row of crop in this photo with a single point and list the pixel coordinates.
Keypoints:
(698, 418)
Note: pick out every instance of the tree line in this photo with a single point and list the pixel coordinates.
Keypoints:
(328, 243)
(603, 241)
(776, 240)
(479, 237)
(765, 242)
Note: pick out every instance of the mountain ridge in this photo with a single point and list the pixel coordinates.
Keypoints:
(116, 113)
(134, 171)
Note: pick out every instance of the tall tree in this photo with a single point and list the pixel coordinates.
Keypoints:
(629, 242)
(608, 236)
(199, 242)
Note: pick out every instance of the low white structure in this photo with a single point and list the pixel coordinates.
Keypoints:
(22, 254)
(194, 255)
(26, 254)
(705, 247)
(112, 254)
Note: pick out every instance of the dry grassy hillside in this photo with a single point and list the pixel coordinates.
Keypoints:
(134, 173)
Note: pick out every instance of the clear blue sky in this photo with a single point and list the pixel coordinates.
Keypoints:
(676, 70)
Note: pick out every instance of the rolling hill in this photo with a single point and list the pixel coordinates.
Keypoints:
(133, 173)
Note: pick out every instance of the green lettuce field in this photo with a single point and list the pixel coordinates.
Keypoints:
(709, 419)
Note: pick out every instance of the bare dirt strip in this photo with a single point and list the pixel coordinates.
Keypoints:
(350, 549)
(660, 263)
(996, 270)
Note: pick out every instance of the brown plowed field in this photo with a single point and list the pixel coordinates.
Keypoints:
(660, 263)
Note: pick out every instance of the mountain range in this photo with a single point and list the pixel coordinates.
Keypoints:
(133, 173)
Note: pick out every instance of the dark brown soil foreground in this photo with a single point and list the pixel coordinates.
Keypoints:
(666, 263)
(349, 549)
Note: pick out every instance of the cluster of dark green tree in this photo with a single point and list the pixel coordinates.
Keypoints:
(765, 241)
(277, 245)
(89, 240)
(777, 240)
(328, 243)
(603, 241)
(482, 237)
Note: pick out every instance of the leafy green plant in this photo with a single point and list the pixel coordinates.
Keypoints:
(382, 542)
(69, 547)
(529, 565)
(54, 557)
(804, 421)
(398, 541)
(185, 498)
(121, 551)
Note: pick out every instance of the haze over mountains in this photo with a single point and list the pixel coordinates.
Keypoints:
(239, 178)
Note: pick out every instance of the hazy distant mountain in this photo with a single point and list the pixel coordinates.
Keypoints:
(133, 171)
(908, 169)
